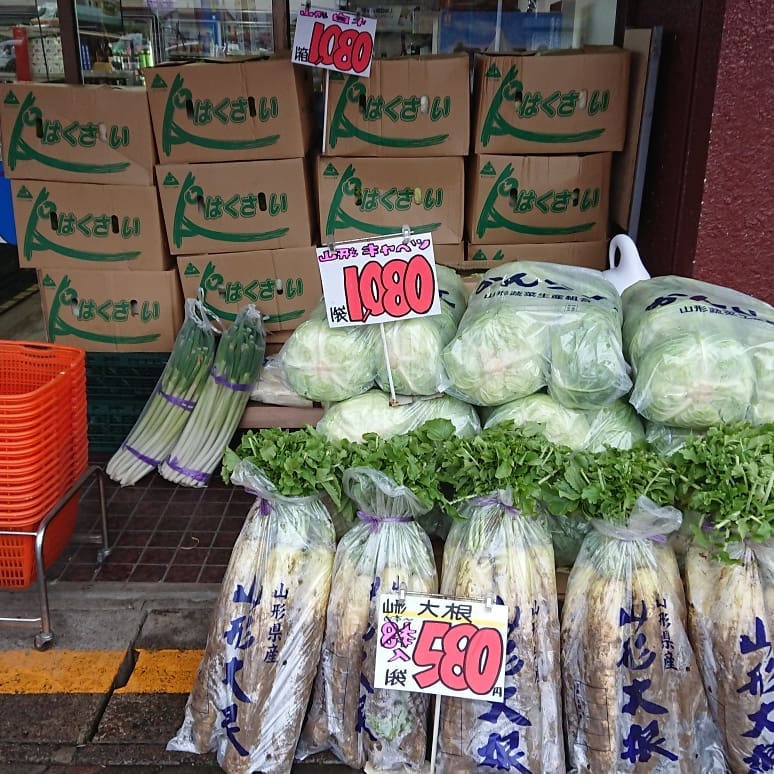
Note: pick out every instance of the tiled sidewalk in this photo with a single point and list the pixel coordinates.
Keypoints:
(159, 532)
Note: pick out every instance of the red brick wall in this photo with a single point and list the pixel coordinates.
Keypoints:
(735, 244)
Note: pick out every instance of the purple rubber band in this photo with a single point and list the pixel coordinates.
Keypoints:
(374, 522)
(658, 538)
(196, 475)
(265, 505)
(496, 501)
(220, 379)
(183, 403)
(142, 457)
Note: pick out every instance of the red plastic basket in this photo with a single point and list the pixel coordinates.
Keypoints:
(43, 421)
(17, 552)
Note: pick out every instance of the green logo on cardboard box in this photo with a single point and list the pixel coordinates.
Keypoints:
(511, 91)
(67, 303)
(45, 215)
(191, 271)
(506, 188)
(192, 196)
(253, 291)
(350, 188)
(30, 120)
(203, 112)
(374, 108)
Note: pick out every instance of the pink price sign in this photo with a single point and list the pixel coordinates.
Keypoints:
(379, 280)
(334, 40)
(453, 647)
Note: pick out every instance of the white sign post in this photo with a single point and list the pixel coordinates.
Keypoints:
(334, 40)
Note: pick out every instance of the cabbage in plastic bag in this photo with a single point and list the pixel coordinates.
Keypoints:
(273, 389)
(415, 346)
(254, 681)
(732, 634)
(615, 425)
(323, 363)
(632, 692)
(359, 723)
(372, 413)
(499, 553)
(529, 325)
(702, 354)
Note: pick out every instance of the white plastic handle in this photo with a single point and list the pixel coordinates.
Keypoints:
(626, 267)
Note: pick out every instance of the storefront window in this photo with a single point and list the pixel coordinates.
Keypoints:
(119, 38)
(445, 26)
(30, 44)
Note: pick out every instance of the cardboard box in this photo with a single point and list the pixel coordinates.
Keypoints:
(83, 226)
(570, 101)
(409, 106)
(86, 134)
(365, 197)
(111, 311)
(591, 255)
(449, 255)
(536, 199)
(283, 284)
(217, 208)
(230, 111)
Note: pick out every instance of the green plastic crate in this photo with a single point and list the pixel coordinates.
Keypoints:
(118, 384)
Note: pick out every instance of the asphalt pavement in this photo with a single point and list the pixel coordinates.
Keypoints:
(111, 690)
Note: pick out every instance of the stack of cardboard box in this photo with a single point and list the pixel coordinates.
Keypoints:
(394, 152)
(81, 160)
(544, 128)
(232, 140)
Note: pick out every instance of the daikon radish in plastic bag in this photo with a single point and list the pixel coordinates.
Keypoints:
(363, 725)
(254, 681)
(731, 624)
(633, 695)
(498, 552)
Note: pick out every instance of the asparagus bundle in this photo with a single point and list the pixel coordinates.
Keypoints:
(171, 403)
(216, 416)
(363, 725)
(254, 681)
(500, 553)
(633, 696)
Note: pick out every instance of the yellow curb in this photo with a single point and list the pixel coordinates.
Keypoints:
(58, 671)
(163, 671)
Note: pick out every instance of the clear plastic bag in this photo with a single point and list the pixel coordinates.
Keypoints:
(362, 725)
(415, 346)
(176, 393)
(273, 389)
(614, 426)
(372, 413)
(531, 325)
(330, 364)
(633, 695)
(731, 623)
(215, 418)
(255, 678)
(499, 553)
(702, 354)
